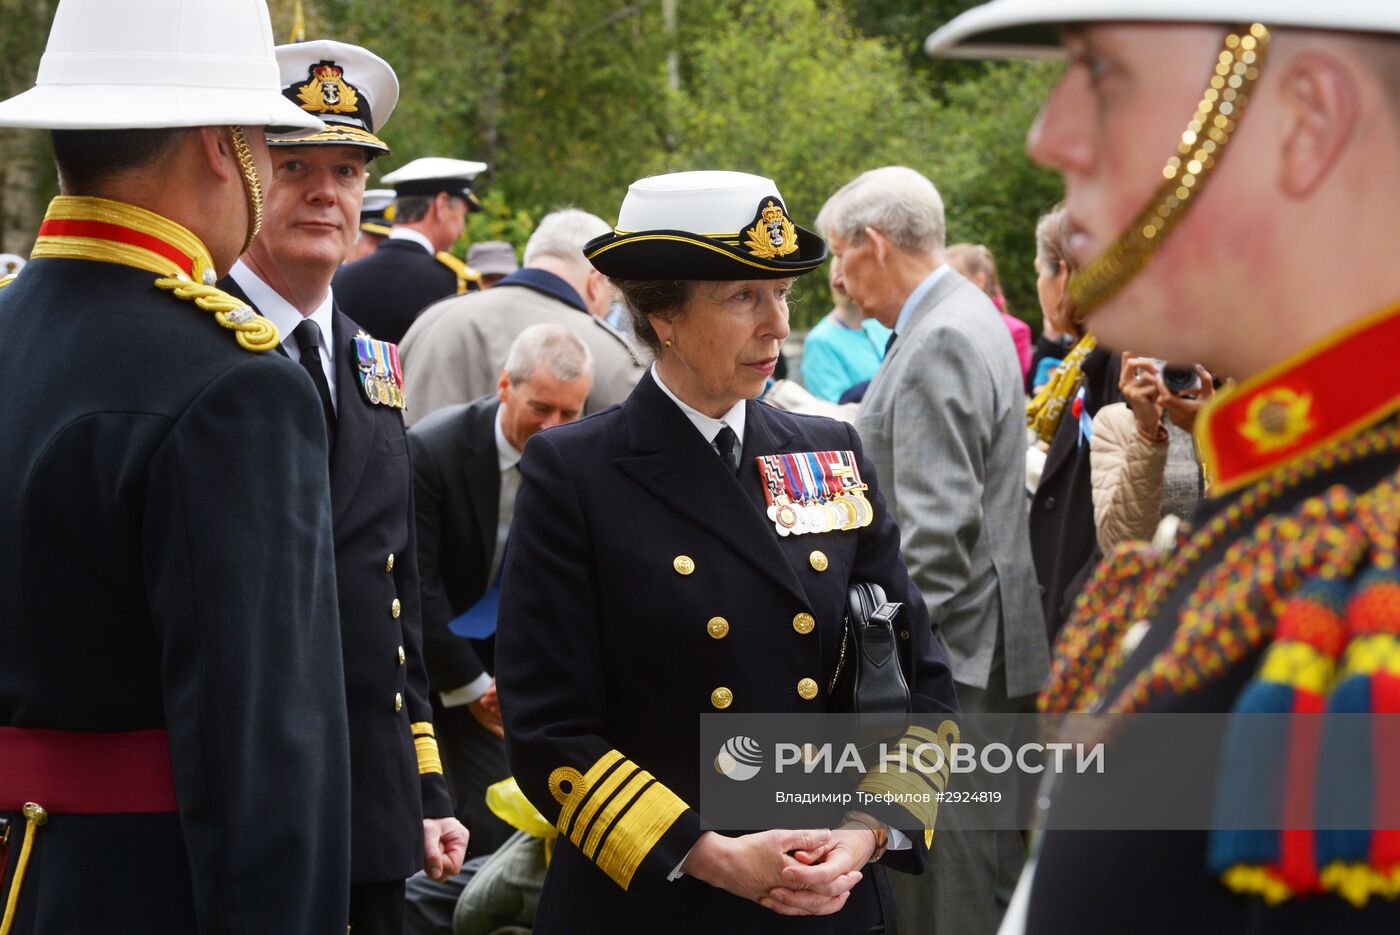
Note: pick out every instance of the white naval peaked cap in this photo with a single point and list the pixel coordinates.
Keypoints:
(432, 174)
(377, 200)
(705, 225)
(134, 64)
(1026, 28)
(351, 89)
(711, 203)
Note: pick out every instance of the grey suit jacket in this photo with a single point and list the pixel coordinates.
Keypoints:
(944, 422)
(455, 350)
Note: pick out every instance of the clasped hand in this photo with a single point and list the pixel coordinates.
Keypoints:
(793, 873)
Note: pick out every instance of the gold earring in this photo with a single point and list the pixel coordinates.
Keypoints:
(669, 343)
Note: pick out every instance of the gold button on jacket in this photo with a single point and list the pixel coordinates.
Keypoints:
(718, 627)
(807, 688)
(722, 698)
(398, 701)
(402, 656)
(683, 564)
(389, 562)
(804, 623)
(818, 560)
(395, 608)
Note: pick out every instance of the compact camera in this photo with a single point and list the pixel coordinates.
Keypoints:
(1180, 379)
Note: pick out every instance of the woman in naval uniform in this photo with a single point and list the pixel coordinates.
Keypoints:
(661, 567)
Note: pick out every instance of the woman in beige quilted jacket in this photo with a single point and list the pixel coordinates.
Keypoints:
(1143, 461)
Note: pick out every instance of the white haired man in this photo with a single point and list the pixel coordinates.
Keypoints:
(1228, 171)
(944, 423)
(454, 351)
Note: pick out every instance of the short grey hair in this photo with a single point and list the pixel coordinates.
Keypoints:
(567, 357)
(562, 234)
(894, 200)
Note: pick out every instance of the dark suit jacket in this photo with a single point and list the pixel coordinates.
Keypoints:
(376, 563)
(604, 647)
(165, 535)
(457, 492)
(1064, 542)
(386, 290)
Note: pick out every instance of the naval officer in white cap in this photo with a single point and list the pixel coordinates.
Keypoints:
(413, 267)
(401, 815)
(173, 743)
(1231, 169)
(374, 224)
(647, 582)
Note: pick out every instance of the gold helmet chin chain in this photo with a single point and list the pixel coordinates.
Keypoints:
(252, 185)
(1186, 173)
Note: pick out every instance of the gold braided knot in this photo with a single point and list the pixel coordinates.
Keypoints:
(254, 332)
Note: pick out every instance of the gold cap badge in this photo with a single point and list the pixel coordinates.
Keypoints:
(772, 234)
(327, 91)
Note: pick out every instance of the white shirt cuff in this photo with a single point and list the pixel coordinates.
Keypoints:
(898, 841)
(468, 693)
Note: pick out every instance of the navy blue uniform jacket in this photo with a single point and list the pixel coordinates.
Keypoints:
(385, 291)
(605, 660)
(386, 686)
(165, 534)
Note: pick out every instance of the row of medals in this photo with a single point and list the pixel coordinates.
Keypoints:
(378, 387)
(843, 512)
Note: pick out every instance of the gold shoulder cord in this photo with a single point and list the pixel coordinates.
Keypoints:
(461, 270)
(253, 332)
(1047, 409)
(1198, 153)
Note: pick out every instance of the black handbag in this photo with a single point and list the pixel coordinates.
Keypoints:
(869, 672)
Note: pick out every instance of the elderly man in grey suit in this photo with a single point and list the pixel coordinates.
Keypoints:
(455, 349)
(944, 423)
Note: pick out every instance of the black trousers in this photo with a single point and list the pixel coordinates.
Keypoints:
(376, 908)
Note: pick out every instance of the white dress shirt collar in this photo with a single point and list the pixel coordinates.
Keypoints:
(286, 317)
(408, 233)
(917, 297)
(707, 426)
(507, 456)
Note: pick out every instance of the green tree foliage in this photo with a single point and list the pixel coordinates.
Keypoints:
(569, 101)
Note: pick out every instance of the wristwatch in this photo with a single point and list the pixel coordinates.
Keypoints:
(877, 828)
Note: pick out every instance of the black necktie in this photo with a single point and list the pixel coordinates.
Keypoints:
(308, 336)
(728, 444)
(890, 343)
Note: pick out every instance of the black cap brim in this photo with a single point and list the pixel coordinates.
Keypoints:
(673, 254)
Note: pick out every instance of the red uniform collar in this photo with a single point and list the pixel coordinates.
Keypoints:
(1325, 393)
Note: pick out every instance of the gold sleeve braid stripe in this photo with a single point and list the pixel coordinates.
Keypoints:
(424, 744)
(907, 771)
(615, 814)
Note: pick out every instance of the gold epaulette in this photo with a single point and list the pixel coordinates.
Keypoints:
(464, 273)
